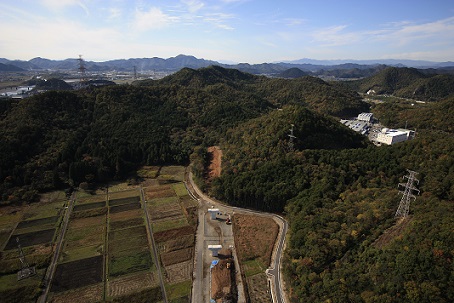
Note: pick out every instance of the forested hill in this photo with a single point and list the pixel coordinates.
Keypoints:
(316, 94)
(345, 244)
(407, 83)
(59, 138)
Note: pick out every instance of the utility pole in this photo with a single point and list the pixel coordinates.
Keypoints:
(407, 194)
(292, 137)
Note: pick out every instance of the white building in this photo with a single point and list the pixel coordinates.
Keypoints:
(368, 117)
(392, 136)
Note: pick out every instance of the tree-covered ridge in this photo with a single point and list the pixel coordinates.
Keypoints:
(316, 94)
(407, 83)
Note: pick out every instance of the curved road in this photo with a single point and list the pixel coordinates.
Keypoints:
(273, 273)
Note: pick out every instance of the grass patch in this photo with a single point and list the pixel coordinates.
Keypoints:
(180, 189)
(162, 201)
(128, 264)
(169, 224)
(253, 267)
(77, 234)
(43, 210)
(148, 172)
(4, 236)
(117, 248)
(179, 290)
(82, 253)
(172, 173)
(43, 221)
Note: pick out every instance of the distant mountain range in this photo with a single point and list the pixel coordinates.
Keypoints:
(328, 68)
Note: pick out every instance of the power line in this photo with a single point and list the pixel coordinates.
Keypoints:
(292, 138)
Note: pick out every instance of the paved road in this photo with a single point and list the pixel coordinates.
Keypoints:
(53, 264)
(155, 252)
(273, 273)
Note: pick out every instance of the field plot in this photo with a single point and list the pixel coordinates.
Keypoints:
(78, 274)
(161, 191)
(124, 207)
(32, 238)
(35, 225)
(172, 173)
(127, 200)
(131, 283)
(178, 272)
(91, 293)
(128, 193)
(87, 206)
(254, 242)
(91, 199)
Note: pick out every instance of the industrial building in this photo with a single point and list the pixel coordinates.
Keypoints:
(368, 117)
(361, 127)
(392, 136)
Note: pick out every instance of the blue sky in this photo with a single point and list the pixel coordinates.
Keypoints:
(252, 31)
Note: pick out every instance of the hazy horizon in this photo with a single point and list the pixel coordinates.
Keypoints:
(233, 31)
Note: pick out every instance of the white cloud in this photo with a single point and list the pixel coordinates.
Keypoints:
(154, 18)
(61, 4)
(114, 13)
(193, 5)
(335, 36)
(219, 20)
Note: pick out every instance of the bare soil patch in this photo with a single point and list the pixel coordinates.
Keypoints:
(167, 210)
(391, 233)
(177, 256)
(178, 272)
(131, 283)
(180, 242)
(223, 287)
(214, 169)
(78, 274)
(167, 235)
(162, 191)
(135, 213)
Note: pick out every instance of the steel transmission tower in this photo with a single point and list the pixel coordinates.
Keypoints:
(407, 194)
(82, 69)
(292, 137)
(26, 271)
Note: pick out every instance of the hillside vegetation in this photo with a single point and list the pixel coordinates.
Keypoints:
(407, 83)
(60, 138)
